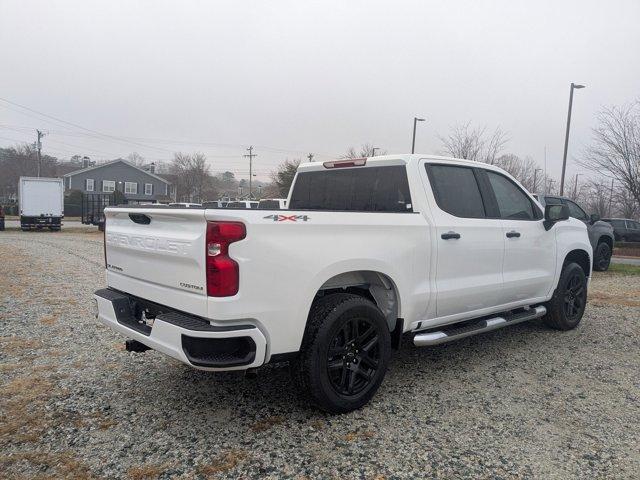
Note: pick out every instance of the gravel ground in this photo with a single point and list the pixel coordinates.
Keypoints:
(516, 403)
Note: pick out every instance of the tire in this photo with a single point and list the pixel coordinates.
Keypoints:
(337, 370)
(566, 307)
(602, 257)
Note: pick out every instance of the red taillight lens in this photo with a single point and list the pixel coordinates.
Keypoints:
(223, 273)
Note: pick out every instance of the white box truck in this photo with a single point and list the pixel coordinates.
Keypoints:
(41, 203)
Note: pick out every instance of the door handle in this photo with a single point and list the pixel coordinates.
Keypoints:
(513, 234)
(449, 235)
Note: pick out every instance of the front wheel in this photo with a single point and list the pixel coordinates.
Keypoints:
(566, 307)
(602, 257)
(345, 353)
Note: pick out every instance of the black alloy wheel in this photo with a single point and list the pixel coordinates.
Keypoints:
(354, 356)
(575, 297)
(603, 257)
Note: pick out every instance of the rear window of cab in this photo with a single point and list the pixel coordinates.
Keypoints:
(366, 189)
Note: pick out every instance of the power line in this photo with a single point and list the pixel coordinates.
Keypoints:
(81, 127)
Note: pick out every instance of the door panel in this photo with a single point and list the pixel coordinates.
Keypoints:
(529, 261)
(530, 250)
(469, 267)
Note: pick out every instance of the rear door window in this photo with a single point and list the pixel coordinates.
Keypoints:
(513, 203)
(456, 190)
(552, 201)
(367, 189)
(575, 211)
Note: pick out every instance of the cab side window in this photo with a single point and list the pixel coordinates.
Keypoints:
(456, 190)
(513, 203)
(575, 211)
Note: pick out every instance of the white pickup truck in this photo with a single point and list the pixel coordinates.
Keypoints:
(368, 250)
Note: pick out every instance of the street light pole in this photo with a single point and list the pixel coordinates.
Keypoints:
(413, 143)
(566, 137)
(575, 187)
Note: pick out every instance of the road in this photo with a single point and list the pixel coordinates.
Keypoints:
(626, 260)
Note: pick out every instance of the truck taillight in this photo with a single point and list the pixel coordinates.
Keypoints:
(355, 162)
(223, 273)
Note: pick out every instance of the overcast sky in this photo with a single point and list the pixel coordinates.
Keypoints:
(293, 77)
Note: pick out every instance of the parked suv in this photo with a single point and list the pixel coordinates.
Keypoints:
(601, 234)
(624, 229)
(368, 250)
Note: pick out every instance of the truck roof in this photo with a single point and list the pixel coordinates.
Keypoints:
(397, 159)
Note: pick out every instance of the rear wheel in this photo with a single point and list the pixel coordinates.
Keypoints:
(566, 307)
(344, 354)
(602, 257)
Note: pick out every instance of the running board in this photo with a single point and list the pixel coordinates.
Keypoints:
(455, 333)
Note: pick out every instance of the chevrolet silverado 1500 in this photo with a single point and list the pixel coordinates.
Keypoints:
(367, 251)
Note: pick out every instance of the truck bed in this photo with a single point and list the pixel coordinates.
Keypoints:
(161, 258)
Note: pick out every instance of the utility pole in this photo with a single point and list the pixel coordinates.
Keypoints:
(535, 179)
(250, 155)
(39, 148)
(610, 196)
(310, 157)
(544, 183)
(575, 187)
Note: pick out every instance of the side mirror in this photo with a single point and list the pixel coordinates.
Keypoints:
(553, 214)
(593, 218)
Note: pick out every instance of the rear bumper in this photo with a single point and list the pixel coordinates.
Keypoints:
(40, 221)
(189, 339)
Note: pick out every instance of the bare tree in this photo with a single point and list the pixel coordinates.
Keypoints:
(624, 204)
(598, 198)
(136, 159)
(283, 177)
(194, 182)
(615, 150)
(474, 143)
(366, 150)
(21, 161)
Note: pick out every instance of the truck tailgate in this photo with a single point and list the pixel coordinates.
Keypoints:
(158, 255)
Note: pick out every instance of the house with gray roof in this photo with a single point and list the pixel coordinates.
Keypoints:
(138, 184)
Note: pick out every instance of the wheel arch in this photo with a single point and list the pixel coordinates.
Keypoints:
(606, 239)
(582, 258)
(373, 285)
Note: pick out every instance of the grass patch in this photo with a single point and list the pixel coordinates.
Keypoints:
(55, 465)
(267, 423)
(147, 472)
(222, 464)
(623, 269)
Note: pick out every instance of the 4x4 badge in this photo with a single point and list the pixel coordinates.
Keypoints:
(287, 218)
